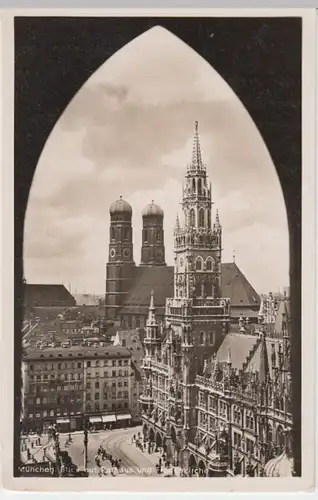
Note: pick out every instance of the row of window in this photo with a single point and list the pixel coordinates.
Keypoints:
(58, 400)
(46, 388)
(97, 385)
(146, 236)
(73, 365)
(119, 373)
(224, 411)
(114, 406)
(202, 221)
(52, 376)
(50, 413)
(207, 265)
(198, 185)
(117, 395)
(249, 443)
(107, 362)
(122, 233)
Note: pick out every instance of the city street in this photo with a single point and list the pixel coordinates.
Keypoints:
(116, 442)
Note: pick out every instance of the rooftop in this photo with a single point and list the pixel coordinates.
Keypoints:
(78, 352)
(47, 295)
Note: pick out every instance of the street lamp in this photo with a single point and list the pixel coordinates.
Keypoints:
(85, 445)
(56, 441)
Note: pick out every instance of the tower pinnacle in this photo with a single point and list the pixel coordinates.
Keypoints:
(196, 162)
(152, 315)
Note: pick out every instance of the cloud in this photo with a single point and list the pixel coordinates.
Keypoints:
(128, 132)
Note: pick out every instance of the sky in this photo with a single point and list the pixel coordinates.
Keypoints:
(128, 132)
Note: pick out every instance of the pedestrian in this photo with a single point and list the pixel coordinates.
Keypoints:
(114, 471)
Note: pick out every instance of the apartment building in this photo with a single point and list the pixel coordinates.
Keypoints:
(69, 386)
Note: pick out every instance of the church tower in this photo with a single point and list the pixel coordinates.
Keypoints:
(198, 245)
(197, 317)
(153, 249)
(120, 266)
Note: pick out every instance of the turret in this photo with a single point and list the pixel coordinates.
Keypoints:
(153, 249)
(120, 266)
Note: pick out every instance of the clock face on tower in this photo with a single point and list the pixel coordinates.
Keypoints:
(159, 254)
(112, 253)
(126, 252)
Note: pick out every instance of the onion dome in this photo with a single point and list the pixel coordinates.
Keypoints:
(120, 207)
(281, 466)
(152, 209)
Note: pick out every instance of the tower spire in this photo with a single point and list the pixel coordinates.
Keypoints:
(152, 315)
(217, 217)
(264, 365)
(177, 224)
(196, 163)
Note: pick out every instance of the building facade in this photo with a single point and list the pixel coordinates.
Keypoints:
(216, 401)
(71, 385)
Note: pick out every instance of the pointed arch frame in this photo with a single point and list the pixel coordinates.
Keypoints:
(34, 122)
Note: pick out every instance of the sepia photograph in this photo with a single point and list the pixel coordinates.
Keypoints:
(158, 201)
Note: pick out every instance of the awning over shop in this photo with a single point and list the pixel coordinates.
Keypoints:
(62, 420)
(95, 420)
(109, 418)
(125, 416)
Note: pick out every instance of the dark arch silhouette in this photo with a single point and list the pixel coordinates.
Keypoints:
(145, 430)
(66, 52)
(173, 435)
(151, 434)
(158, 439)
(192, 465)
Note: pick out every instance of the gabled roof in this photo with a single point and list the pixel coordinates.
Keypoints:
(47, 295)
(159, 279)
(240, 346)
(236, 287)
(257, 360)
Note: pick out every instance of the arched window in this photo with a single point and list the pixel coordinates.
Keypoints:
(209, 265)
(192, 217)
(113, 235)
(137, 322)
(209, 219)
(198, 264)
(145, 235)
(158, 236)
(202, 339)
(193, 184)
(201, 217)
(126, 233)
(199, 186)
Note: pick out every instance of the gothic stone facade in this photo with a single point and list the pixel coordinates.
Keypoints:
(208, 415)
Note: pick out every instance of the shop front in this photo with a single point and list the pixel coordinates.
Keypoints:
(123, 420)
(108, 421)
(63, 424)
(76, 423)
(95, 423)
